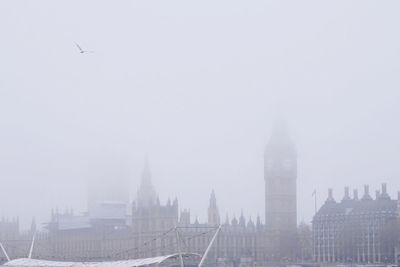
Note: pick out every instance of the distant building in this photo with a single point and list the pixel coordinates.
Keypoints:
(107, 232)
(9, 229)
(148, 215)
(14, 240)
(280, 172)
(237, 242)
(357, 230)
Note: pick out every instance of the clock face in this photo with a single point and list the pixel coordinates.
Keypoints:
(287, 164)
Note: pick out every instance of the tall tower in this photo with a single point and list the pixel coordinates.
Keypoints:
(213, 214)
(147, 196)
(148, 214)
(280, 173)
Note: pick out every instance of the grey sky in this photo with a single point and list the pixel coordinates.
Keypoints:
(196, 86)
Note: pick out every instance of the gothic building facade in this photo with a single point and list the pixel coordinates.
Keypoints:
(240, 242)
(153, 228)
(13, 239)
(9, 228)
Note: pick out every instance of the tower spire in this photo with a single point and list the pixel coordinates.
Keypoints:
(213, 213)
(146, 194)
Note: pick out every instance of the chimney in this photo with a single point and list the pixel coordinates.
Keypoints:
(355, 194)
(366, 195)
(346, 194)
(384, 194)
(330, 196)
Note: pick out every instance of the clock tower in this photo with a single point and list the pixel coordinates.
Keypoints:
(280, 173)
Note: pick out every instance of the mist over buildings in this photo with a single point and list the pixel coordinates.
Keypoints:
(196, 87)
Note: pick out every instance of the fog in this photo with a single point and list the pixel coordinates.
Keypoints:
(195, 86)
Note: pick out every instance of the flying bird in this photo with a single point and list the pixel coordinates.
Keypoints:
(81, 50)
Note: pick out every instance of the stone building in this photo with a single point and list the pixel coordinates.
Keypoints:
(9, 228)
(156, 229)
(153, 228)
(15, 241)
(148, 215)
(357, 230)
(9, 234)
(238, 241)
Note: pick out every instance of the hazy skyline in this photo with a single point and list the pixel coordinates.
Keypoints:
(195, 86)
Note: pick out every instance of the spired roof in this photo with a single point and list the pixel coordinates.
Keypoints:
(146, 195)
(25, 262)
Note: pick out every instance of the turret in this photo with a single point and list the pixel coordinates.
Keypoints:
(250, 225)
(242, 220)
(146, 194)
(175, 208)
(213, 213)
(258, 223)
(227, 219)
(234, 221)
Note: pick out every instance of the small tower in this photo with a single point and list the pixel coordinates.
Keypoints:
(242, 220)
(258, 223)
(213, 214)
